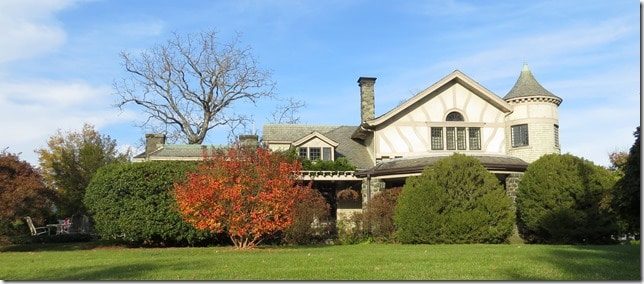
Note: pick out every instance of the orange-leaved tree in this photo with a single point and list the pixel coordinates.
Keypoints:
(246, 192)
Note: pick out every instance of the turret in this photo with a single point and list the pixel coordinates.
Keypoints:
(533, 126)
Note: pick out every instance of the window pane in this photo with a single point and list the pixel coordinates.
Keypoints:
(451, 138)
(303, 153)
(437, 138)
(460, 138)
(475, 138)
(519, 135)
(314, 154)
(326, 153)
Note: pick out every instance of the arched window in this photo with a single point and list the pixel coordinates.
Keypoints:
(454, 116)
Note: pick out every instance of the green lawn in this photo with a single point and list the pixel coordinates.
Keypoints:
(356, 262)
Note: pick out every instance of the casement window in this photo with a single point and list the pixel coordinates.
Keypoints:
(475, 138)
(316, 153)
(519, 135)
(556, 136)
(455, 138)
(437, 138)
(304, 152)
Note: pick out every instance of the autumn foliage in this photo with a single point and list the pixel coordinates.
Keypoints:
(22, 193)
(246, 192)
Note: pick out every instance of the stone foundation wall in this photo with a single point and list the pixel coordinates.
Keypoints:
(377, 186)
(512, 185)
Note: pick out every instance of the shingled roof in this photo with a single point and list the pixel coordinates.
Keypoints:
(416, 165)
(527, 86)
(353, 150)
(179, 152)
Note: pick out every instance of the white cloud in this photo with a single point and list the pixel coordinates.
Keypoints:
(28, 28)
(32, 111)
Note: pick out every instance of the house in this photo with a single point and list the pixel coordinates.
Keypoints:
(455, 114)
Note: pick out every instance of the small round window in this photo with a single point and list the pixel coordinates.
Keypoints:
(455, 116)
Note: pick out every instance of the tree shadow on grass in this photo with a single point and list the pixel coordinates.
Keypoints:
(599, 263)
(122, 272)
(64, 246)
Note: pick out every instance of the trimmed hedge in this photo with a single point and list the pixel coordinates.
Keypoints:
(455, 201)
(559, 201)
(133, 201)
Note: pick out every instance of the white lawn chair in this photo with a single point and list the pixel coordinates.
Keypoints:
(35, 231)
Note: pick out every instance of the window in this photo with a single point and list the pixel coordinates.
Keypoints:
(326, 154)
(454, 116)
(557, 136)
(314, 154)
(456, 138)
(460, 138)
(437, 138)
(519, 135)
(475, 138)
(451, 138)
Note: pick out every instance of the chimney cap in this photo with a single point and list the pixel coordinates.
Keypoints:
(154, 135)
(362, 79)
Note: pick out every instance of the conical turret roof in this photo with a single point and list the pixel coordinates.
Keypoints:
(527, 86)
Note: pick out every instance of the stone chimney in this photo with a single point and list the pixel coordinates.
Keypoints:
(367, 98)
(249, 140)
(153, 142)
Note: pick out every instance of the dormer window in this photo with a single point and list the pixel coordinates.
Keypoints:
(315, 146)
(316, 153)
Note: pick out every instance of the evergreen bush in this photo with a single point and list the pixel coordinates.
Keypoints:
(455, 201)
(132, 201)
(559, 201)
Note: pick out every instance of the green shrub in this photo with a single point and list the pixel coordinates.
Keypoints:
(311, 221)
(339, 164)
(378, 216)
(455, 201)
(559, 201)
(133, 201)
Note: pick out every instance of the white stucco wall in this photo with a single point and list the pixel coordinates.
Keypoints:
(409, 134)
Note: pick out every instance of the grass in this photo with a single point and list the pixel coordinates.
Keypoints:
(92, 261)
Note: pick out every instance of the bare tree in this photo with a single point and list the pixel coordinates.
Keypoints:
(286, 112)
(188, 86)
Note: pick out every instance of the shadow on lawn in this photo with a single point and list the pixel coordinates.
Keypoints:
(64, 246)
(122, 272)
(609, 262)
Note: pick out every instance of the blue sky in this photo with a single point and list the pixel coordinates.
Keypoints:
(59, 58)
